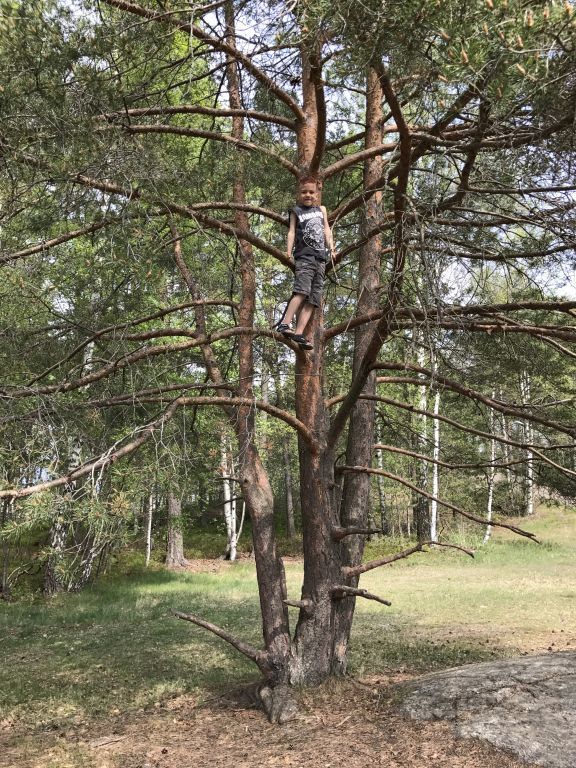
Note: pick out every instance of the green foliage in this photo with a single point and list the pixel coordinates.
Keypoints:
(111, 301)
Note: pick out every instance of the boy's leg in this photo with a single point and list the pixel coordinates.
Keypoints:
(313, 300)
(303, 317)
(293, 307)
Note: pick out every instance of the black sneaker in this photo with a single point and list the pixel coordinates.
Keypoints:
(302, 341)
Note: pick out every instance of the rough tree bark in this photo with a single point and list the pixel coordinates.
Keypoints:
(175, 543)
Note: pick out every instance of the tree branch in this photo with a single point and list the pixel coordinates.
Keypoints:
(444, 464)
(340, 533)
(422, 492)
(488, 435)
(194, 109)
(190, 213)
(472, 394)
(216, 44)
(46, 244)
(341, 591)
(178, 130)
(350, 572)
(111, 455)
(257, 656)
(432, 313)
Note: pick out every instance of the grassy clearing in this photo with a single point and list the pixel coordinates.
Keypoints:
(115, 648)
(514, 597)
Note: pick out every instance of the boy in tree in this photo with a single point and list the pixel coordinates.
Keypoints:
(309, 241)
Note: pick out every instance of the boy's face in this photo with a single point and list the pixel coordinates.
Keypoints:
(308, 193)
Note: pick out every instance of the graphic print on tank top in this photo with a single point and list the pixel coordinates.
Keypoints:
(313, 234)
(310, 229)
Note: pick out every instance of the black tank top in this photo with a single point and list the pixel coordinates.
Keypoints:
(309, 230)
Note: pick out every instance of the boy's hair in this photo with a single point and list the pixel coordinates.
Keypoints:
(310, 180)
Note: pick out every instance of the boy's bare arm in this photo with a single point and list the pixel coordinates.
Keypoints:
(329, 240)
(291, 236)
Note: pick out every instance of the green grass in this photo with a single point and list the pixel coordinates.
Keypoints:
(118, 647)
(514, 596)
(78, 658)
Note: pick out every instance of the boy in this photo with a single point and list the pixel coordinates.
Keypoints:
(309, 241)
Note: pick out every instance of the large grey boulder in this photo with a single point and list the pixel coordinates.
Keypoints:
(526, 705)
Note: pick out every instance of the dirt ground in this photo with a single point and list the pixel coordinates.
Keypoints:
(345, 723)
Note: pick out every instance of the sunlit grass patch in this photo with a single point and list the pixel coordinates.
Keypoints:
(119, 646)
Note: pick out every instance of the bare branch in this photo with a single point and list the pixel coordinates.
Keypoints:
(446, 465)
(112, 455)
(284, 416)
(47, 244)
(536, 449)
(451, 114)
(257, 656)
(306, 605)
(194, 109)
(339, 533)
(133, 357)
(432, 313)
(341, 591)
(183, 210)
(350, 572)
(472, 394)
(422, 492)
(217, 45)
(178, 130)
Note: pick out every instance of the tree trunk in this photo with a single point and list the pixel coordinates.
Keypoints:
(149, 515)
(290, 526)
(175, 541)
(435, 472)
(528, 439)
(227, 463)
(422, 505)
(53, 582)
(384, 519)
(360, 444)
(254, 482)
(4, 517)
(491, 476)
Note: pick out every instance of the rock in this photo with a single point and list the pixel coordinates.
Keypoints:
(526, 706)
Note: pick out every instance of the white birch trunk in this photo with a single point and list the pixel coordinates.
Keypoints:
(491, 477)
(529, 439)
(435, 471)
(505, 446)
(227, 464)
(422, 509)
(149, 514)
(386, 525)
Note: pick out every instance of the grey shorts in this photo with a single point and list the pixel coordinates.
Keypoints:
(309, 277)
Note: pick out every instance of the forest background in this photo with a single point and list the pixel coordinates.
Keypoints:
(150, 156)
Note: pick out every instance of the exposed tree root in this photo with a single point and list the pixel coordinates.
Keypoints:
(278, 703)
